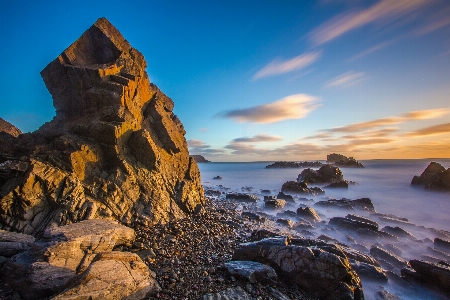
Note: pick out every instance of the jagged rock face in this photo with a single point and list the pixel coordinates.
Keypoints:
(434, 177)
(9, 128)
(115, 150)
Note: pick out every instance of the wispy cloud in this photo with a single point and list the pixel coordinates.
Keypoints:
(278, 66)
(199, 147)
(409, 116)
(431, 130)
(347, 79)
(370, 50)
(291, 107)
(258, 138)
(436, 21)
(387, 10)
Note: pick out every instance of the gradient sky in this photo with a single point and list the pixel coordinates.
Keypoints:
(261, 80)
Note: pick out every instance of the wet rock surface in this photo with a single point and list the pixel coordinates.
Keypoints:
(362, 204)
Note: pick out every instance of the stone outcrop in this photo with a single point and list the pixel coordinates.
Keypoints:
(434, 177)
(322, 274)
(199, 158)
(435, 274)
(9, 128)
(343, 161)
(114, 150)
(326, 174)
(77, 260)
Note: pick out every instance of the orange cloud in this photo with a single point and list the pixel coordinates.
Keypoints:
(431, 130)
(277, 67)
(291, 107)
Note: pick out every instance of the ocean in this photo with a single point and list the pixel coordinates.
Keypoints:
(385, 182)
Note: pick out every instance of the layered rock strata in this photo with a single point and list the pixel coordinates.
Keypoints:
(115, 149)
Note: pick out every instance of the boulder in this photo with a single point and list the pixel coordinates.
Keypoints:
(275, 203)
(322, 274)
(252, 272)
(352, 224)
(308, 213)
(242, 197)
(114, 150)
(65, 253)
(301, 188)
(434, 177)
(12, 243)
(326, 173)
(286, 197)
(112, 275)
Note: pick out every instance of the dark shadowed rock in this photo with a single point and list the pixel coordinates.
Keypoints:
(389, 257)
(275, 203)
(301, 188)
(243, 197)
(252, 272)
(397, 231)
(361, 219)
(326, 173)
(369, 271)
(437, 275)
(351, 224)
(337, 185)
(285, 222)
(363, 204)
(115, 149)
(441, 243)
(286, 197)
(434, 177)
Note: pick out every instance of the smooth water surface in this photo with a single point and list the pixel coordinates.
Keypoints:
(385, 182)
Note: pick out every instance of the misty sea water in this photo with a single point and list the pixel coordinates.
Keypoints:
(385, 182)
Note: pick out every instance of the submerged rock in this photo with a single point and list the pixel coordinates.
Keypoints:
(437, 275)
(363, 204)
(301, 188)
(337, 185)
(308, 213)
(434, 177)
(115, 150)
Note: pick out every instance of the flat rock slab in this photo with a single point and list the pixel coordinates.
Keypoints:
(113, 275)
(252, 271)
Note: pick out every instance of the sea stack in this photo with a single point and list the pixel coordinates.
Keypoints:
(114, 150)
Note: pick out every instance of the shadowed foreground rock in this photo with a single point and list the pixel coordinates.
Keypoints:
(115, 150)
(323, 274)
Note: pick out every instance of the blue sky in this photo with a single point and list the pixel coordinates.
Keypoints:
(261, 80)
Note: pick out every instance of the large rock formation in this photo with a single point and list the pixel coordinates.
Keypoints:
(434, 177)
(114, 150)
(343, 161)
